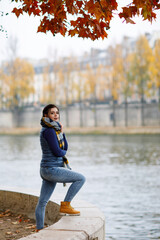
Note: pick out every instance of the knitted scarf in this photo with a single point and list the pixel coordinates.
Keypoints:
(48, 123)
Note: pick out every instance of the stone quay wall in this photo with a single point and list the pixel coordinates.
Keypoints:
(91, 116)
(90, 225)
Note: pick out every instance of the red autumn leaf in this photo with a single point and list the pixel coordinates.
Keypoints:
(17, 11)
(99, 28)
(128, 20)
(91, 18)
(73, 32)
(37, 12)
(62, 29)
(79, 3)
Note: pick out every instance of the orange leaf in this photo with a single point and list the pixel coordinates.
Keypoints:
(73, 32)
(17, 11)
(79, 3)
(128, 20)
(98, 27)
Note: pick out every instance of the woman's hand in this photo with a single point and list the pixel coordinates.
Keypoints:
(61, 127)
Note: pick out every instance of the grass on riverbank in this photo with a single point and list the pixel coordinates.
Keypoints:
(86, 130)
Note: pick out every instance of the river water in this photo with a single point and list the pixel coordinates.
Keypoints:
(123, 177)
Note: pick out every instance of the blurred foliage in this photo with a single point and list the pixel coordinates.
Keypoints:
(16, 81)
(126, 76)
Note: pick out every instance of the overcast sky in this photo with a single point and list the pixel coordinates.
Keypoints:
(39, 45)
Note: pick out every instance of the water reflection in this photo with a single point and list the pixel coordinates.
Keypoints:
(122, 174)
(118, 149)
(19, 147)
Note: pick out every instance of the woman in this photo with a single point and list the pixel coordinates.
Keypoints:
(54, 147)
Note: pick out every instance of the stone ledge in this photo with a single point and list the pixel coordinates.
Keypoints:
(25, 204)
(107, 130)
(90, 225)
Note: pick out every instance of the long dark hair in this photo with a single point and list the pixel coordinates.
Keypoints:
(47, 108)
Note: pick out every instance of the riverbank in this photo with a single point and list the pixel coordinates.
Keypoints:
(89, 225)
(86, 130)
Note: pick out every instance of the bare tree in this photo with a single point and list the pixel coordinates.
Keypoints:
(12, 48)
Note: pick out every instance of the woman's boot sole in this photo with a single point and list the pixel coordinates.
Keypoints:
(69, 214)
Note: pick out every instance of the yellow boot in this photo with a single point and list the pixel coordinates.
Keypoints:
(66, 209)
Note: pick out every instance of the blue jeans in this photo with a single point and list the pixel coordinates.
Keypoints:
(51, 176)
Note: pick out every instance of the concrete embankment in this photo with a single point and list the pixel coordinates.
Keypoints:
(86, 130)
(90, 225)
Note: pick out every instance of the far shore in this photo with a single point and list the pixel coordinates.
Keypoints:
(86, 130)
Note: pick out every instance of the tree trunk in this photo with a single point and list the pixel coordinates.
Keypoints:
(142, 103)
(81, 114)
(142, 111)
(50, 88)
(67, 116)
(126, 112)
(55, 87)
(95, 108)
(80, 105)
(114, 114)
(95, 115)
(159, 101)
(66, 110)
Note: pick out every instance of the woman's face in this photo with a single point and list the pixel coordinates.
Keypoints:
(53, 114)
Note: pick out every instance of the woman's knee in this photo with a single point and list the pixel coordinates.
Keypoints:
(83, 179)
